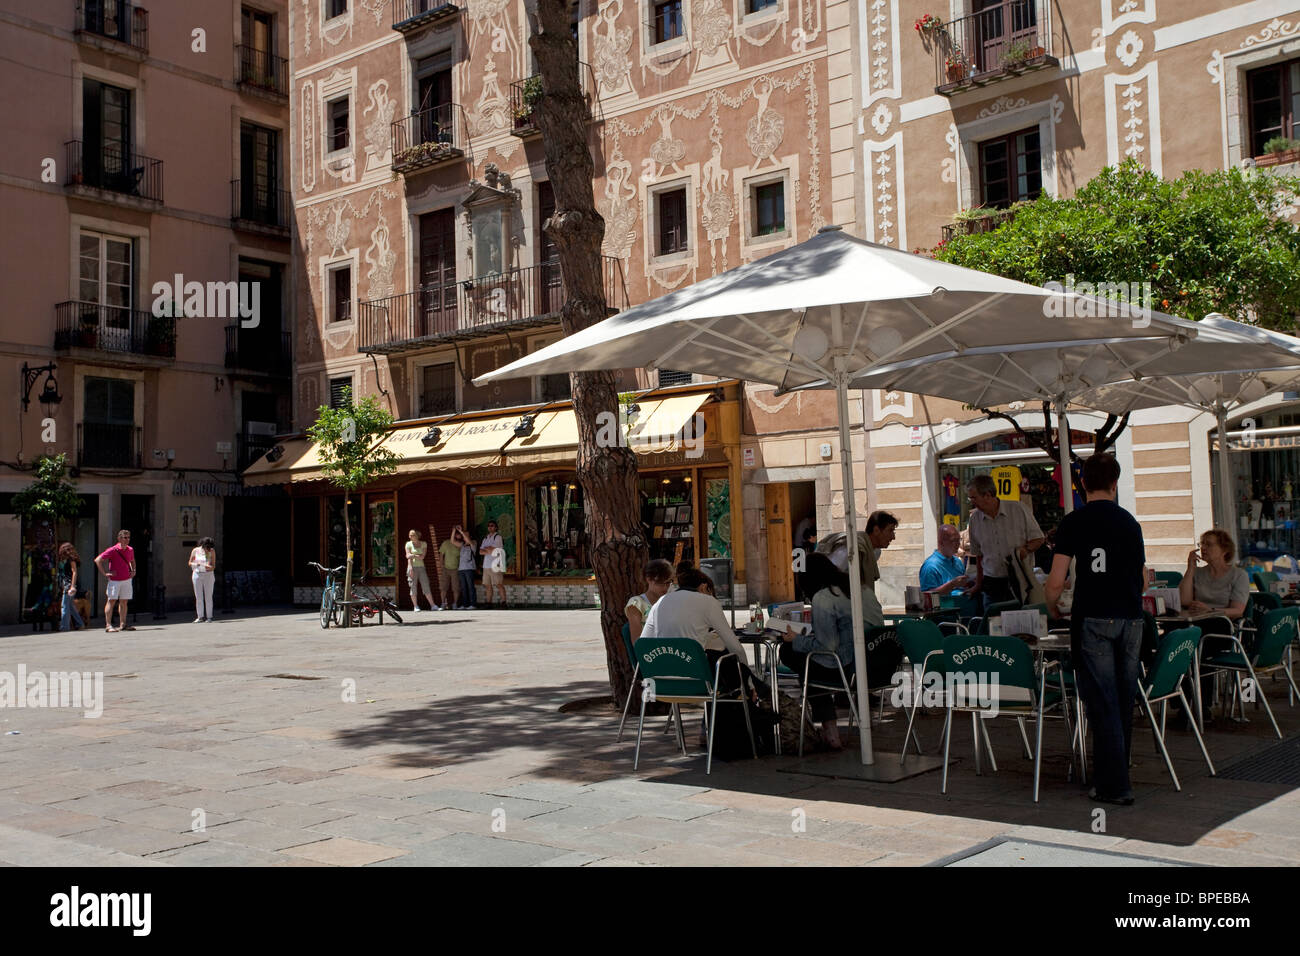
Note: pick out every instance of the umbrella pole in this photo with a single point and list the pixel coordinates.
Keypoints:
(1225, 477)
(1063, 440)
(855, 575)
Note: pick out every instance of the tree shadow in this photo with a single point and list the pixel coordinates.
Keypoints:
(579, 747)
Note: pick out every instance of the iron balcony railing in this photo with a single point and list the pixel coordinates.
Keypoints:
(1007, 38)
(262, 69)
(258, 351)
(983, 220)
(441, 401)
(108, 446)
(475, 307)
(409, 15)
(107, 166)
(115, 19)
(249, 448)
(258, 205)
(429, 138)
(525, 94)
(109, 328)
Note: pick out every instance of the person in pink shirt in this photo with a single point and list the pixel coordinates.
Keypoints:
(118, 565)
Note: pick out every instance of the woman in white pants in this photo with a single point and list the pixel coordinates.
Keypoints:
(203, 562)
(417, 576)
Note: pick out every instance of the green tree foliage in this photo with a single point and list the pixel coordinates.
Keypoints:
(1215, 241)
(50, 495)
(351, 456)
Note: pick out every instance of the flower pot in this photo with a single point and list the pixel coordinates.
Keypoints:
(956, 74)
(1277, 159)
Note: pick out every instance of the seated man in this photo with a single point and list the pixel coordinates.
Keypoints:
(943, 572)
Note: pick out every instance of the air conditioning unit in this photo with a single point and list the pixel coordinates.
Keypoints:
(260, 428)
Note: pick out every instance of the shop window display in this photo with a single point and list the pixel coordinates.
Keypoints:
(555, 527)
(668, 514)
(1265, 473)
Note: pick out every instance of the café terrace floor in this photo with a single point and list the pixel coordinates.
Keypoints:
(232, 744)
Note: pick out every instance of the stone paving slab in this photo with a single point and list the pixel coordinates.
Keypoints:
(288, 774)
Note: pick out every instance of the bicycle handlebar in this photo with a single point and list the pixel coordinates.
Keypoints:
(339, 570)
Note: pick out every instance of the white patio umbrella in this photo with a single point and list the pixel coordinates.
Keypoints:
(837, 311)
(1216, 391)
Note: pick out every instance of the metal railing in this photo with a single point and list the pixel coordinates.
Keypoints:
(115, 19)
(258, 351)
(262, 69)
(973, 225)
(411, 15)
(249, 448)
(525, 94)
(429, 137)
(475, 306)
(108, 446)
(1007, 38)
(251, 203)
(107, 166)
(110, 328)
(440, 401)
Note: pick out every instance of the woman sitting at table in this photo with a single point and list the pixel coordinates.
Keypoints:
(658, 579)
(1220, 585)
(832, 630)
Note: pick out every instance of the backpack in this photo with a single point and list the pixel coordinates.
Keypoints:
(730, 739)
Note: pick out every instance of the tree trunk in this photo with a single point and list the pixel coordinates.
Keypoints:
(347, 576)
(608, 474)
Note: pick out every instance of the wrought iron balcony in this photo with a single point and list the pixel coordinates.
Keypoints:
(249, 448)
(261, 70)
(107, 167)
(256, 351)
(108, 328)
(412, 15)
(441, 401)
(525, 94)
(475, 307)
(977, 221)
(429, 138)
(1005, 39)
(259, 209)
(108, 446)
(114, 20)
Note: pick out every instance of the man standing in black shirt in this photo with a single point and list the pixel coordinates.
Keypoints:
(1105, 619)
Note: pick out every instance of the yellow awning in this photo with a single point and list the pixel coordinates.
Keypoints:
(477, 443)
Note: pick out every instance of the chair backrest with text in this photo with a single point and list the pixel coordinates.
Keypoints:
(981, 660)
(1172, 662)
(677, 665)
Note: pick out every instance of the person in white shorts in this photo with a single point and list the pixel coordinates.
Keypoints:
(493, 549)
(118, 565)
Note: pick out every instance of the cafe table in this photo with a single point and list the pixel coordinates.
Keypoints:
(1056, 643)
(769, 642)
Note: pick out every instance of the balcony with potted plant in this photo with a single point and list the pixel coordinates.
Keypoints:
(1002, 40)
(428, 138)
(1278, 151)
(969, 222)
(524, 97)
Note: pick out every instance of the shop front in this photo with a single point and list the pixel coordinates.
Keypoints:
(517, 468)
(1264, 468)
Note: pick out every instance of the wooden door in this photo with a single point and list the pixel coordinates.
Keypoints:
(780, 573)
(438, 271)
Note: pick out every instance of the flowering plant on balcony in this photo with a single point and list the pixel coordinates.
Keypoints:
(422, 153)
(928, 23)
(956, 63)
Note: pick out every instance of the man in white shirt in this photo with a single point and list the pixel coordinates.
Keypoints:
(493, 549)
(999, 530)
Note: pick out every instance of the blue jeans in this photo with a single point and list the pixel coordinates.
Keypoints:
(69, 611)
(1106, 668)
(467, 596)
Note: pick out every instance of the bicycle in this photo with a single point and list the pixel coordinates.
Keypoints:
(331, 595)
(374, 602)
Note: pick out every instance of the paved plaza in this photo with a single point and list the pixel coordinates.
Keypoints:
(264, 740)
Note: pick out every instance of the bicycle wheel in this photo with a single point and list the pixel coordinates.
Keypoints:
(391, 610)
(328, 612)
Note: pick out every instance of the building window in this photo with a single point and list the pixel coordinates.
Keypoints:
(438, 389)
(671, 214)
(337, 130)
(757, 6)
(1273, 98)
(769, 208)
(669, 376)
(105, 270)
(335, 8)
(340, 293)
(108, 423)
(556, 388)
(1010, 169)
(555, 527)
(667, 21)
(341, 391)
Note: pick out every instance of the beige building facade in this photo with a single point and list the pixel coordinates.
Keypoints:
(144, 189)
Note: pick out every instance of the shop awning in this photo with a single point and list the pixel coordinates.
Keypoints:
(478, 442)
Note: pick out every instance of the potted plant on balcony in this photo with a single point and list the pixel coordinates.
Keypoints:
(1279, 149)
(973, 220)
(928, 24)
(956, 64)
(532, 95)
(1016, 56)
(160, 336)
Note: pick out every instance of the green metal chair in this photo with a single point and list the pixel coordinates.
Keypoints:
(636, 670)
(1163, 682)
(922, 642)
(1168, 579)
(1264, 580)
(678, 672)
(1015, 693)
(1277, 629)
